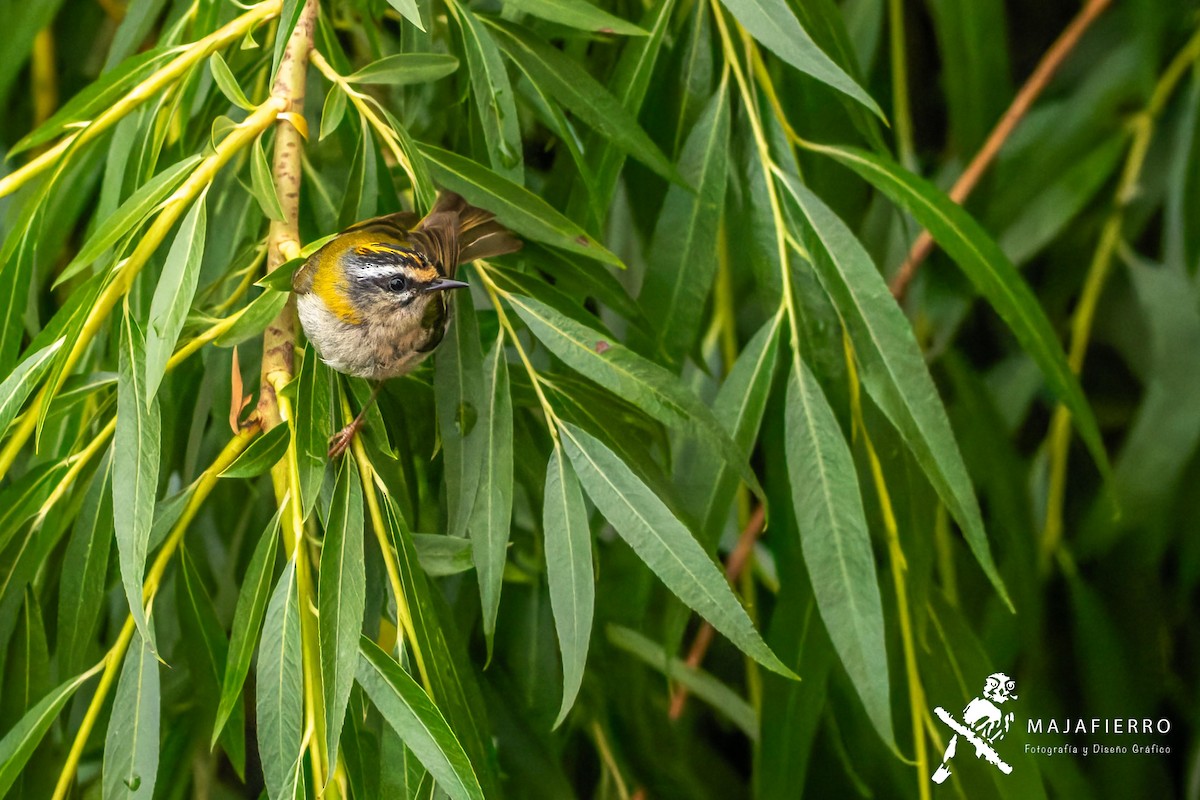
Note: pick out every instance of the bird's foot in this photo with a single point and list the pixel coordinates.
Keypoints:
(341, 440)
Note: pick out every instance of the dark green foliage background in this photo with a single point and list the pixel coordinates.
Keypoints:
(651, 266)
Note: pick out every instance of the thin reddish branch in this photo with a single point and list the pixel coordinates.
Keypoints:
(733, 569)
(1025, 98)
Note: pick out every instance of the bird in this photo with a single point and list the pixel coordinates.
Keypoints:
(375, 300)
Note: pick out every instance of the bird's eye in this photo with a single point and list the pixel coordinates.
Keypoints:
(398, 284)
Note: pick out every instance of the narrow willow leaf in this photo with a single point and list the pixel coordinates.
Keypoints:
(130, 214)
(313, 425)
(262, 454)
(700, 683)
(577, 14)
(262, 183)
(406, 68)
(333, 111)
(773, 23)
(131, 744)
(16, 275)
(892, 367)
(441, 555)
(280, 690)
(629, 84)
(254, 318)
(19, 743)
(569, 572)
(989, 270)
(492, 515)
(569, 83)
(414, 717)
(446, 666)
(683, 252)
(84, 572)
(408, 9)
(208, 650)
(458, 393)
(515, 206)
(21, 382)
(280, 278)
(136, 452)
(740, 404)
(27, 662)
(173, 294)
(227, 83)
(494, 98)
(289, 15)
(663, 543)
(341, 600)
(650, 387)
(247, 620)
(835, 542)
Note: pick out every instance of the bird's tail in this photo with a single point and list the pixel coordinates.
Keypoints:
(467, 232)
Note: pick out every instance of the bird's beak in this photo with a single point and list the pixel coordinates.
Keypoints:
(441, 284)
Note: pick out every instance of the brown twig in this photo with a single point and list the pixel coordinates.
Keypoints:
(1025, 98)
(733, 569)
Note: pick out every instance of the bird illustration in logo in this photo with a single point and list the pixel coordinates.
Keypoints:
(983, 723)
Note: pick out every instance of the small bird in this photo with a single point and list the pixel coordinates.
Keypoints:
(373, 300)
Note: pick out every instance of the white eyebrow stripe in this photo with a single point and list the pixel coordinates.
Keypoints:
(373, 271)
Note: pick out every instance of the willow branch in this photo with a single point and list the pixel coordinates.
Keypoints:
(1025, 98)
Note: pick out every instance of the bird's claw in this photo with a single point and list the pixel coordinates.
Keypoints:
(341, 440)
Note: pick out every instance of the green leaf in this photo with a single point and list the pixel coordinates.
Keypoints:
(19, 743)
(989, 270)
(27, 662)
(289, 15)
(740, 404)
(205, 639)
(129, 215)
(84, 572)
(663, 543)
(280, 278)
(577, 14)
(446, 669)
(515, 206)
(131, 743)
(21, 382)
(414, 717)
(406, 68)
(136, 452)
(582, 95)
(458, 393)
(441, 555)
(280, 689)
(492, 514)
(247, 620)
(568, 572)
(835, 542)
(227, 83)
(700, 683)
(255, 318)
(494, 98)
(408, 9)
(333, 111)
(631, 377)
(683, 251)
(314, 401)
(173, 294)
(892, 367)
(262, 454)
(773, 23)
(262, 185)
(341, 600)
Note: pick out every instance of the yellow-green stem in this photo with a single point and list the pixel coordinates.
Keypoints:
(112, 661)
(1059, 437)
(901, 113)
(171, 72)
(126, 271)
